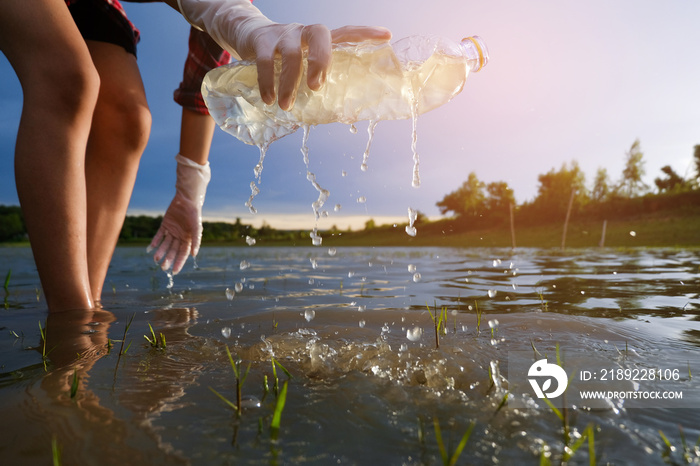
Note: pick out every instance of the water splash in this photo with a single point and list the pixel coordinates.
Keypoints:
(250, 241)
(412, 216)
(309, 315)
(370, 133)
(316, 239)
(323, 194)
(254, 191)
(414, 334)
(415, 182)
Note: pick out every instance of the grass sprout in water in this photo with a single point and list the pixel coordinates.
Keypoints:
(155, 342)
(450, 459)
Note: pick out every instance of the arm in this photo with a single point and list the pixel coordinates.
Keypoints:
(180, 232)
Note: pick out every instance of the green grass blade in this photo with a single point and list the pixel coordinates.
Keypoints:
(233, 363)
(286, 372)
(462, 444)
(224, 399)
(441, 444)
(277, 415)
(55, 452)
(591, 445)
(554, 409)
(7, 280)
(74, 385)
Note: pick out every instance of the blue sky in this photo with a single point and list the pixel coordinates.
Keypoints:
(566, 81)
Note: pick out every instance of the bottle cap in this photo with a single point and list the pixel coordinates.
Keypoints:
(476, 51)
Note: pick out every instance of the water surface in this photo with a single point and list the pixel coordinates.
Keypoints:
(353, 327)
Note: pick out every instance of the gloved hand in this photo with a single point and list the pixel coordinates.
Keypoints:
(180, 232)
(240, 28)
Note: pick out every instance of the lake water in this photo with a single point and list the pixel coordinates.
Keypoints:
(353, 328)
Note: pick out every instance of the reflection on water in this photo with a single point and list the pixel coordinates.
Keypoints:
(355, 330)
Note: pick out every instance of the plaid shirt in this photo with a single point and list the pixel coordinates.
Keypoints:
(204, 54)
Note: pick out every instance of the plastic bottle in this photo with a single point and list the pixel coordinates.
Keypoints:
(367, 81)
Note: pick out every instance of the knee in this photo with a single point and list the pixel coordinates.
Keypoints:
(128, 119)
(69, 91)
(134, 118)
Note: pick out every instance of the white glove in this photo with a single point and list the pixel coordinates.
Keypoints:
(180, 232)
(240, 28)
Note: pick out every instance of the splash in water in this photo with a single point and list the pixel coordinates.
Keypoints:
(412, 216)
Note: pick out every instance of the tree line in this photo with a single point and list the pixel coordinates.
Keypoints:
(479, 204)
(476, 204)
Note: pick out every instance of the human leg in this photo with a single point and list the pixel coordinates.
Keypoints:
(120, 127)
(60, 87)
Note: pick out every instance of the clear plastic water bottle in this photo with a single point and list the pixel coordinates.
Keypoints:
(366, 81)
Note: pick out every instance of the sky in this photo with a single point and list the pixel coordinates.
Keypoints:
(567, 81)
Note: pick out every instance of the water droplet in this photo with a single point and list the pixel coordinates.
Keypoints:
(311, 281)
(416, 277)
(491, 293)
(337, 208)
(332, 252)
(343, 173)
(633, 233)
(238, 287)
(316, 239)
(361, 200)
(414, 334)
(493, 323)
(250, 241)
(314, 264)
(309, 315)
(361, 308)
(411, 268)
(361, 324)
(248, 401)
(353, 129)
(412, 216)
(230, 294)
(385, 328)
(244, 265)
(351, 274)
(226, 332)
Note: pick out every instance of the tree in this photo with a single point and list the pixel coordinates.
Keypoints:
(500, 197)
(672, 182)
(555, 190)
(469, 199)
(631, 183)
(601, 186)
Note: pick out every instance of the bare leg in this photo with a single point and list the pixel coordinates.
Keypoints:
(60, 86)
(120, 127)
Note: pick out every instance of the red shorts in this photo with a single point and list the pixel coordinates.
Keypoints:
(106, 21)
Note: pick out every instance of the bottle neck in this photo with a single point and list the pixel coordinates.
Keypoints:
(476, 52)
